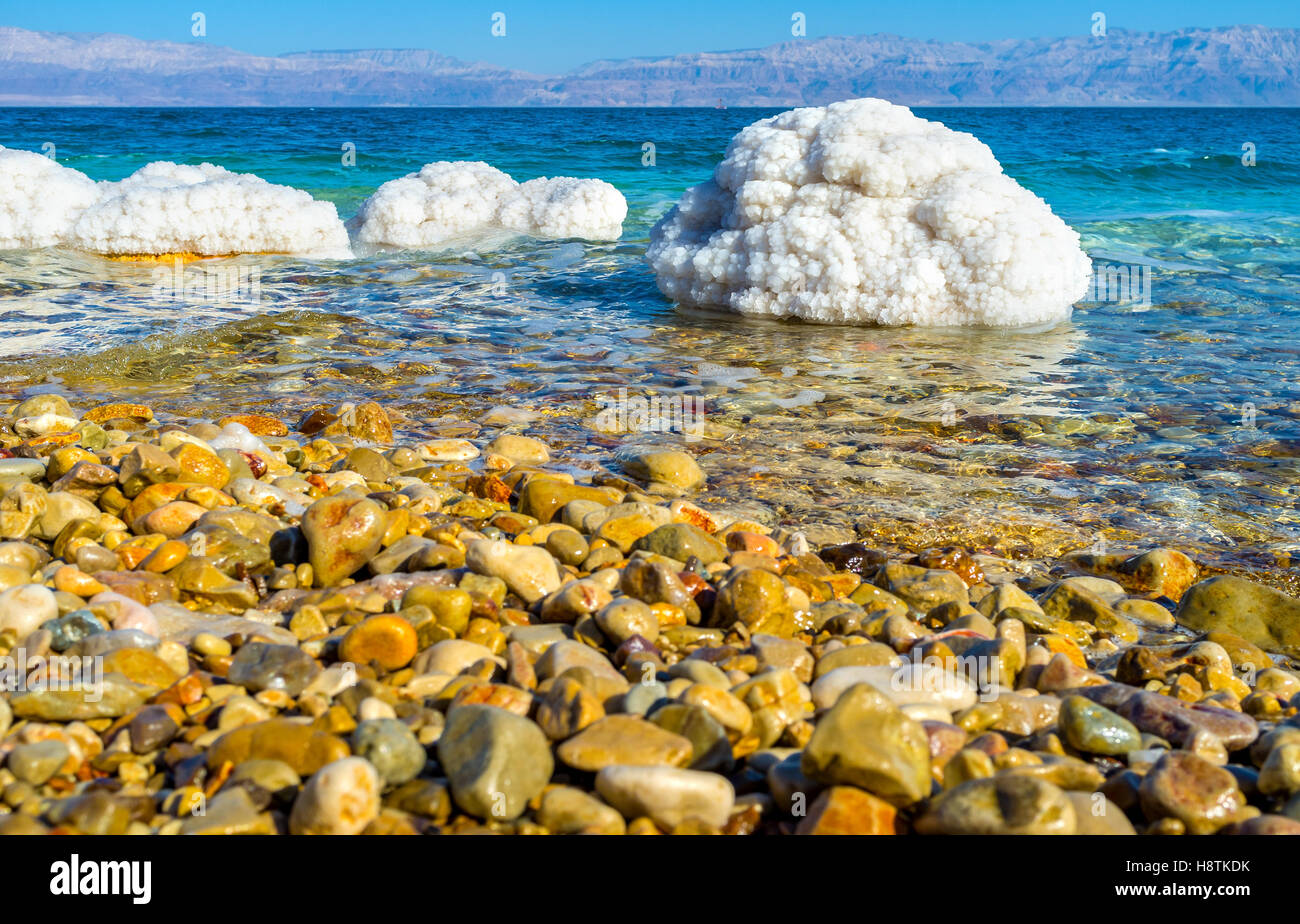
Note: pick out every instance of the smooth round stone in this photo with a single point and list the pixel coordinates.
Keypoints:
(1262, 615)
(343, 533)
(626, 617)
(520, 450)
(13, 576)
(391, 747)
(369, 464)
(865, 740)
(710, 747)
(697, 670)
(529, 571)
(680, 541)
(61, 508)
(922, 683)
(39, 761)
(923, 588)
(565, 707)
(1189, 788)
(340, 798)
(623, 739)
(671, 467)
(389, 640)
(641, 696)
(37, 405)
(1146, 612)
(25, 608)
(568, 546)
(568, 654)
(23, 555)
(300, 746)
(495, 761)
(447, 450)
(567, 810)
(1002, 804)
(451, 656)
(12, 470)
(1280, 774)
(450, 606)
(1094, 729)
(260, 666)
(577, 600)
(667, 795)
(152, 728)
(872, 654)
(733, 714)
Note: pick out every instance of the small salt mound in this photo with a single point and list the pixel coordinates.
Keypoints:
(39, 200)
(861, 212)
(443, 200)
(564, 206)
(455, 199)
(166, 208)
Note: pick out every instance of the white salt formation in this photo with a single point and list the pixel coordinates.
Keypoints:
(861, 212)
(39, 200)
(167, 208)
(455, 199)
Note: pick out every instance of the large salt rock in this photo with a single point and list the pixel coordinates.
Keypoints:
(166, 208)
(861, 212)
(39, 200)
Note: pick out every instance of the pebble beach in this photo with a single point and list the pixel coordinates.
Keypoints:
(340, 624)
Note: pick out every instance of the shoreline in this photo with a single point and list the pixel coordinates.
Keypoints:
(285, 621)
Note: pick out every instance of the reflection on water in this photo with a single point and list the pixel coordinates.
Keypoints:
(1117, 427)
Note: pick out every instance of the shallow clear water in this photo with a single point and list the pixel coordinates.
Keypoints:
(1176, 421)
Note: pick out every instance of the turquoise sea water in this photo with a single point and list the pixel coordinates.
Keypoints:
(1174, 418)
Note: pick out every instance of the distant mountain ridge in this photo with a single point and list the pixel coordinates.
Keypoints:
(1230, 66)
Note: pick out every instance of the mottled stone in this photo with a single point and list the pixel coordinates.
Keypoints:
(496, 761)
(1258, 613)
(1001, 805)
(866, 741)
(1192, 790)
(623, 739)
(340, 798)
(260, 666)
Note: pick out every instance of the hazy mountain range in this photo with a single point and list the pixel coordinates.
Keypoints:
(1235, 66)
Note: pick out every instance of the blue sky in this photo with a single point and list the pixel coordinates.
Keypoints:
(555, 35)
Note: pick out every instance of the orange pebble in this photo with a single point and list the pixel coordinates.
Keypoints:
(132, 555)
(166, 557)
(71, 579)
(741, 541)
(1059, 644)
(390, 640)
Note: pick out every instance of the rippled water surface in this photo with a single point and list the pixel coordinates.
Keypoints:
(1176, 421)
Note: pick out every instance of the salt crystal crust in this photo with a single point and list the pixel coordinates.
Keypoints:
(39, 200)
(862, 213)
(162, 208)
(454, 199)
(176, 208)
